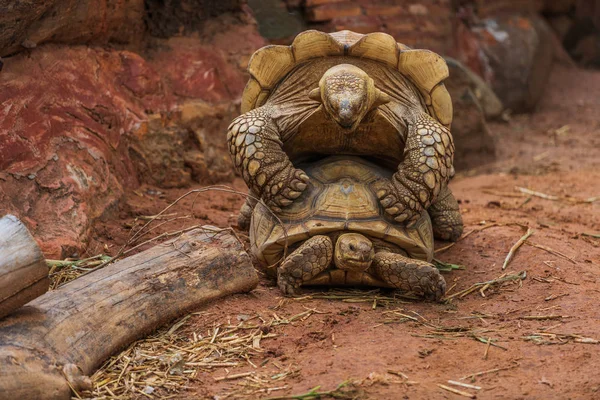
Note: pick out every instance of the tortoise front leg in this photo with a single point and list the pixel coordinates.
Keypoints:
(256, 151)
(445, 216)
(411, 275)
(306, 262)
(426, 168)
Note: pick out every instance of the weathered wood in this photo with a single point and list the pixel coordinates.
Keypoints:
(23, 271)
(58, 339)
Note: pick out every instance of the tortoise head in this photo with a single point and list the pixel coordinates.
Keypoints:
(348, 93)
(353, 252)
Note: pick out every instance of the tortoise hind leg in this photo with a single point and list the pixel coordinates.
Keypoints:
(308, 260)
(408, 274)
(445, 216)
(246, 211)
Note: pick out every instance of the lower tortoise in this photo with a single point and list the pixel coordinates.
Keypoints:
(341, 235)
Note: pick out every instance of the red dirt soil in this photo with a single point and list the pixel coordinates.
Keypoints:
(553, 151)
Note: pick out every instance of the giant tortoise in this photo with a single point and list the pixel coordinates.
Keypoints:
(352, 94)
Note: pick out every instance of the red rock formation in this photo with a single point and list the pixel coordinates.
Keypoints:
(79, 123)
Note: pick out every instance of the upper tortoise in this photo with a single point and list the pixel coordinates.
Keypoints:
(352, 94)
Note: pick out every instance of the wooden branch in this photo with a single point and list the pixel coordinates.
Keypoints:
(51, 344)
(23, 271)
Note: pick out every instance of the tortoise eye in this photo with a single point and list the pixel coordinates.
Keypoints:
(352, 247)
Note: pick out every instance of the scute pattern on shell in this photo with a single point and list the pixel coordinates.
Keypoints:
(425, 69)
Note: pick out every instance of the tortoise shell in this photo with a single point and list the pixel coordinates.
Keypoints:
(425, 69)
(341, 197)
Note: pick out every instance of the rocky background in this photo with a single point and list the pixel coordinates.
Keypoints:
(99, 96)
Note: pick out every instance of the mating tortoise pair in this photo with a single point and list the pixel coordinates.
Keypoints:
(383, 107)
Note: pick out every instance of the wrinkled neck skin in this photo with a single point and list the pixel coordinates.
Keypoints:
(348, 94)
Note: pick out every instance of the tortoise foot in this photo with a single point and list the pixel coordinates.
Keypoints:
(445, 217)
(245, 217)
(399, 202)
(411, 275)
(307, 261)
(287, 186)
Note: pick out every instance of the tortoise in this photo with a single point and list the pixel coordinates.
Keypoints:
(341, 235)
(352, 94)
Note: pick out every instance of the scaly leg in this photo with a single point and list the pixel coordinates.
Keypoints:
(445, 216)
(255, 147)
(408, 274)
(246, 211)
(426, 168)
(308, 260)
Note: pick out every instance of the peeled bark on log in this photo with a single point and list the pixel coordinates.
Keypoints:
(53, 343)
(23, 270)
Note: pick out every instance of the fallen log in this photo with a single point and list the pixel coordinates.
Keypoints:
(51, 345)
(23, 270)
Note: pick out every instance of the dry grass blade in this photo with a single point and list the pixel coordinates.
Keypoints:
(489, 371)
(456, 391)
(234, 376)
(63, 271)
(465, 385)
(501, 279)
(549, 338)
(345, 390)
(446, 267)
(516, 246)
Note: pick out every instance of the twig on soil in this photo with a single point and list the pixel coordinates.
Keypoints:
(456, 391)
(594, 235)
(398, 373)
(515, 247)
(551, 251)
(489, 371)
(487, 348)
(543, 317)
(555, 296)
(503, 194)
(537, 194)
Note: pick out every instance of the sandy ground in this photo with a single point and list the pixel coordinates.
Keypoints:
(538, 335)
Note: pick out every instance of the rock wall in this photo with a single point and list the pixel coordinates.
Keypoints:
(577, 25)
(79, 123)
(419, 24)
